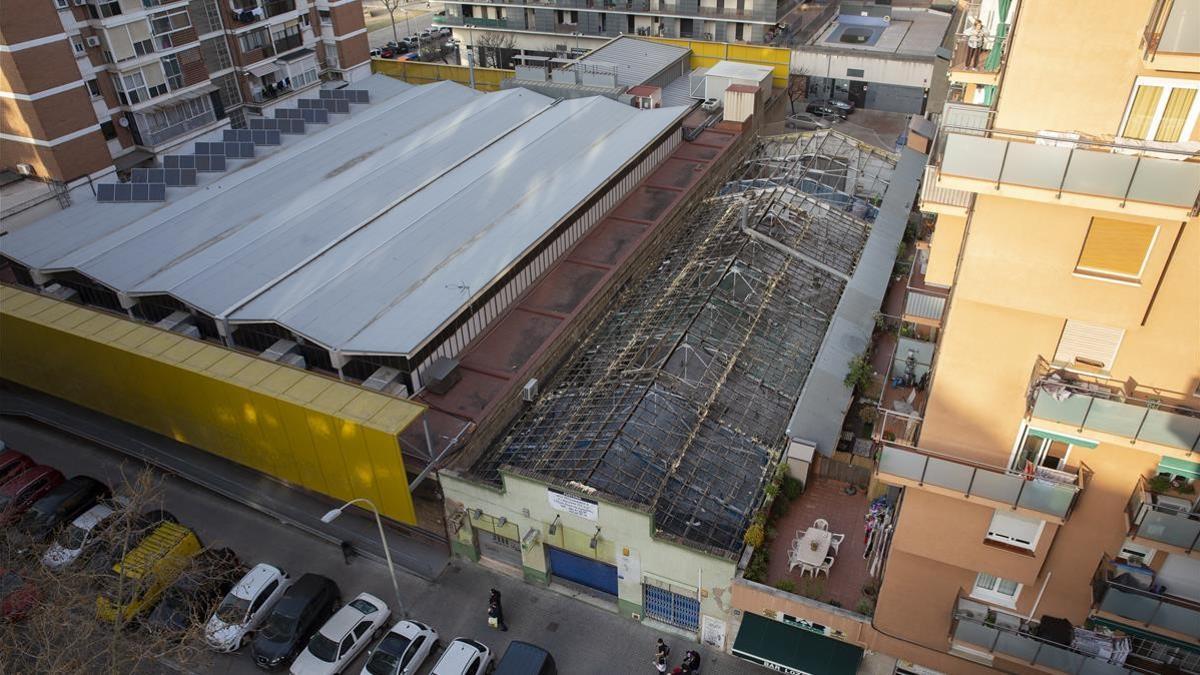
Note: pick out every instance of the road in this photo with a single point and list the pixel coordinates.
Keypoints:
(411, 18)
(583, 638)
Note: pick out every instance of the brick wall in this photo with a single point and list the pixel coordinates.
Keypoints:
(50, 117)
(192, 65)
(23, 20)
(29, 71)
(64, 162)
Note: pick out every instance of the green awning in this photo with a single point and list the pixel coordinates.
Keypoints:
(1179, 467)
(1149, 635)
(775, 644)
(1069, 440)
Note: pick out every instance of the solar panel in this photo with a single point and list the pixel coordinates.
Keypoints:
(315, 115)
(178, 177)
(131, 192)
(179, 161)
(356, 95)
(336, 105)
(288, 126)
(147, 175)
(210, 149)
(236, 135)
(310, 103)
(264, 123)
(327, 93)
(210, 163)
(239, 150)
(265, 136)
(288, 113)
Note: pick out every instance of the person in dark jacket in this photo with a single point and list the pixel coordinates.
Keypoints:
(691, 662)
(496, 610)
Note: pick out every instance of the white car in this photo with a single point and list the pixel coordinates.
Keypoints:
(72, 541)
(402, 650)
(244, 607)
(464, 656)
(343, 637)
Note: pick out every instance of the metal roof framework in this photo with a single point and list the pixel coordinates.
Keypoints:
(677, 404)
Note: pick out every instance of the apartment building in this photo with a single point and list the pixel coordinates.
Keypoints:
(87, 86)
(1049, 519)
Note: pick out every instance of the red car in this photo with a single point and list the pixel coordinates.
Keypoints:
(12, 464)
(17, 596)
(18, 494)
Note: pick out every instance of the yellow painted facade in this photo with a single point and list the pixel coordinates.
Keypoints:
(412, 72)
(708, 54)
(327, 436)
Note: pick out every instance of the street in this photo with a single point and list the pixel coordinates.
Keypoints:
(583, 638)
(411, 18)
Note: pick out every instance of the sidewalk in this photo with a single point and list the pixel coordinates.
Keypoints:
(416, 551)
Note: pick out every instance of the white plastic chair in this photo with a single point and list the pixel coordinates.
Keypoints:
(834, 541)
(821, 524)
(824, 567)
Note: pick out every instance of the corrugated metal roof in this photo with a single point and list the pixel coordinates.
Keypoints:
(924, 305)
(636, 60)
(366, 236)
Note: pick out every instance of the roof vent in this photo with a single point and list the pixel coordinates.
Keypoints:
(386, 380)
(280, 349)
(180, 322)
(60, 292)
(441, 375)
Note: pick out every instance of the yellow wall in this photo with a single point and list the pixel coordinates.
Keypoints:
(707, 54)
(327, 436)
(486, 79)
(943, 250)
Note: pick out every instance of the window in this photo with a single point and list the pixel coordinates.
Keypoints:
(1088, 345)
(347, 645)
(996, 590)
(361, 629)
(1013, 530)
(131, 88)
(93, 87)
(1162, 110)
(331, 55)
(61, 4)
(263, 596)
(166, 26)
(77, 44)
(326, 19)
(1116, 249)
(108, 9)
(252, 40)
(173, 72)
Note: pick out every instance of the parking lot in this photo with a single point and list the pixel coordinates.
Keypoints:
(582, 638)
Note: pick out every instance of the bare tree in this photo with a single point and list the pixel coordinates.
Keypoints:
(797, 87)
(57, 628)
(431, 50)
(391, 6)
(492, 47)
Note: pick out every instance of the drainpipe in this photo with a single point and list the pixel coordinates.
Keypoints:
(471, 65)
(1038, 601)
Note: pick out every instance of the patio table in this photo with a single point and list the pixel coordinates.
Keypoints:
(804, 550)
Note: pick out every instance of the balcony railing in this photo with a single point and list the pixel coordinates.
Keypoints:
(1102, 405)
(1131, 592)
(994, 484)
(962, 55)
(288, 42)
(277, 7)
(932, 194)
(477, 22)
(1014, 640)
(1161, 523)
(1068, 163)
(1170, 31)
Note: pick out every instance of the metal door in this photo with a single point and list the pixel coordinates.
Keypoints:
(663, 603)
(584, 571)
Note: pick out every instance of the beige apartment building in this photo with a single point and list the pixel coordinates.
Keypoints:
(1050, 519)
(89, 85)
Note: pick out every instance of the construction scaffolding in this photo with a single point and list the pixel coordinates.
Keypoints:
(677, 403)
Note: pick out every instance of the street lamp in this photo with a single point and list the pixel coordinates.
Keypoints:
(332, 516)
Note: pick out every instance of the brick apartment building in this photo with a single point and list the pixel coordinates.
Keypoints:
(89, 85)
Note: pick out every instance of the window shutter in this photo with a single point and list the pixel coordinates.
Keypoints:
(1116, 247)
(1088, 344)
(1014, 529)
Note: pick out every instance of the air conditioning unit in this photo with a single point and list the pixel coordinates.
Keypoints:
(530, 391)
(25, 169)
(80, 3)
(92, 41)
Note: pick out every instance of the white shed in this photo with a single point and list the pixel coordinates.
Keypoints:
(719, 77)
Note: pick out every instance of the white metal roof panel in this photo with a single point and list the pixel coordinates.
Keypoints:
(740, 71)
(635, 60)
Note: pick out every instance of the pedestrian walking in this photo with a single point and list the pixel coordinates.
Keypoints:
(496, 611)
(691, 663)
(661, 652)
(348, 551)
(975, 38)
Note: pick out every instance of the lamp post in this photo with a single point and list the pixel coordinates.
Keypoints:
(332, 516)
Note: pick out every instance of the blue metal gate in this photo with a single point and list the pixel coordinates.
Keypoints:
(591, 573)
(663, 603)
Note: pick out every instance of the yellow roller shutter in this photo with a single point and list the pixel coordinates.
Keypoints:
(1116, 247)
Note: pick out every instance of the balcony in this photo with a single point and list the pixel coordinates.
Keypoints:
(1071, 170)
(288, 42)
(1151, 518)
(1171, 41)
(1047, 495)
(1102, 405)
(936, 199)
(979, 628)
(1132, 592)
(477, 22)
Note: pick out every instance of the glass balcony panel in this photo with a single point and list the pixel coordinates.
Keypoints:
(973, 156)
(998, 487)
(1179, 619)
(975, 633)
(1160, 181)
(1114, 417)
(1169, 528)
(1167, 428)
(1058, 658)
(1103, 174)
(1017, 646)
(1035, 165)
(1047, 497)
(949, 475)
(901, 463)
(1129, 605)
(1071, 410)
(1098, 667)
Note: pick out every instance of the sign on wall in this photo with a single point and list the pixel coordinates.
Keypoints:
(628, 565)
(576, 506)
(712, 631)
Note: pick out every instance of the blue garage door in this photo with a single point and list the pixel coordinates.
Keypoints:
(677, 607)
(591, 573)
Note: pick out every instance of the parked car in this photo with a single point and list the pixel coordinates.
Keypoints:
(845, 106)
(376, 52)
(18, 494)
(342, 637)
(429, 34)
(102, 553)
(140, 578)
(306, 605)
(60, 506)
(826, 111)
(805, 122)
(523, 658)
(245, 607)
(77, 537)
(402, 650)
(445, 31)
(201, 586)
(17, 595)
(464, 656)
(13, 464)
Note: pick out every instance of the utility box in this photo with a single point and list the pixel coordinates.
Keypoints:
(441, 375)
(799, 459)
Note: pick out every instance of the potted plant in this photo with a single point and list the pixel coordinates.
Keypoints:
(813, 545)
(1159, 484)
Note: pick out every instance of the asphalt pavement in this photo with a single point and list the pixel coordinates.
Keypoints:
(584, 639)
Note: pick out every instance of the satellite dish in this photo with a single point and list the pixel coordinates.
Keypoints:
(123, 122)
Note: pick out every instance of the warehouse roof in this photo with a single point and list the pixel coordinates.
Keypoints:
(367, 236)
(636, 61)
